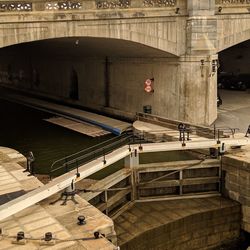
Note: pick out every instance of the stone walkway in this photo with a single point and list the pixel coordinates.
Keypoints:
(40, 218)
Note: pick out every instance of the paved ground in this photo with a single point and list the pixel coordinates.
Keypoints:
(235, 109)
(40, 218)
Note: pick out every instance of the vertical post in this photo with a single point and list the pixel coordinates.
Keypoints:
(106, 201)
(218, 139)
(220, 175)
(214, 131)
(131, 162)
(107, 82)
(181, 178)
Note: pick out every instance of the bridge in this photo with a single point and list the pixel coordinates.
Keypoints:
(90, 52)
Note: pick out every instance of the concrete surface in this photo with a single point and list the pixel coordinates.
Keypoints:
(174, 42)
(193, 224)
(40, 218)
(235, 109)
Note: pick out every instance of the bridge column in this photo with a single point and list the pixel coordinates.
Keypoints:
(132, 161)
(198, 67)
(198, 89)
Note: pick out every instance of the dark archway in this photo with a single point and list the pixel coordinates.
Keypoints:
(74, 93)
(234, 85)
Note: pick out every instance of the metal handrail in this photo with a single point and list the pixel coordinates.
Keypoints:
(73, 161)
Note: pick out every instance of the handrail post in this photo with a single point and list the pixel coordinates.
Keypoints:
(218, 139)
(214, 131)
(104, 160)
(66, 166)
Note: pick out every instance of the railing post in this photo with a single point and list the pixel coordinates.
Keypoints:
(106, 201)
(181, 178)
(218, 139)
(66, 165)
(214, 131)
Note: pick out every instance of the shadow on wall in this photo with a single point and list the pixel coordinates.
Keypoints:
(73, 92)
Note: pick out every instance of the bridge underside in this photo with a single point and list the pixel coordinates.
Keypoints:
(108, 75)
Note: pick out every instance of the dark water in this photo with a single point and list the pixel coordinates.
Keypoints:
(24, 129)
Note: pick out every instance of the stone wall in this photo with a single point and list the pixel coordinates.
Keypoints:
(179, 225)
(237, 185)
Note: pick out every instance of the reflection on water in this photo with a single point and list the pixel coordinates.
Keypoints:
(24, 129)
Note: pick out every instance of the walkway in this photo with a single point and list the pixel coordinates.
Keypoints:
(40, 218)
(112, 125)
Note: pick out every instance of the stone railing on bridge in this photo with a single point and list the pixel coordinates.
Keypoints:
(232, 2)
(232, 6)
(64, 5)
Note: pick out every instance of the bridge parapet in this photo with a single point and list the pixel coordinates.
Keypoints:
(231, 6)
(39, 5)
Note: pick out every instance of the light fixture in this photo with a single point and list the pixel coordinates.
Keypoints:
(202, 68)
(177, 11)
(219, 9)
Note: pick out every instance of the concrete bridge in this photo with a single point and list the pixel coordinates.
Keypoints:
(98, 54)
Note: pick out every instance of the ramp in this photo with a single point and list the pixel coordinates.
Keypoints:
(109, 124)
(80, 127)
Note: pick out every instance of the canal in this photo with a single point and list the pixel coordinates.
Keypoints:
(25, 129)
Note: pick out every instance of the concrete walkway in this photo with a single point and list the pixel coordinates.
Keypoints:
(235, 109)
(40, 218)
(112, 125)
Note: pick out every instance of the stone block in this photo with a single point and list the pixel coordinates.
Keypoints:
(244, 200)
(213, 239)
(197, 243)
(246, 226)
(234, 195)
(246, 211)
(243, 181)
(230, 235)
(232, 186)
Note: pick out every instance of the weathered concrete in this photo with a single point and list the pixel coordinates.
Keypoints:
(237, 182)
(185, 36)
(193, 224)
(38, 219)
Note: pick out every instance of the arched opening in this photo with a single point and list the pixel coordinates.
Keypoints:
(90, 73)
(234, 85)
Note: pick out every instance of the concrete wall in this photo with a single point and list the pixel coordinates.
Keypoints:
(204, 230)
(232, 30)
(183, 89)
(237, 185)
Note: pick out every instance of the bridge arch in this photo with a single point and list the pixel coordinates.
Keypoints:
(158, 34)
(232, 31)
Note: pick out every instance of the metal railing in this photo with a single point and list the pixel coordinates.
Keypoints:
(74, 161)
